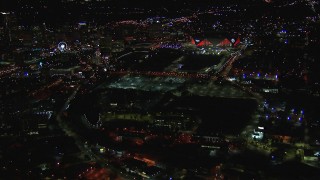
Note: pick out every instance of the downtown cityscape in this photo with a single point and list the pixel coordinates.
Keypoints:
(160, 90)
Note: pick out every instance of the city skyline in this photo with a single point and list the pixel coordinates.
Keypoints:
(171, 89)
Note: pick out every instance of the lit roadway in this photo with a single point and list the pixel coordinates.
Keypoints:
(85, 150)
(312, 3)
(8, 71)
(222, 68)
(65, 127)
(221, 71)
(248, 130)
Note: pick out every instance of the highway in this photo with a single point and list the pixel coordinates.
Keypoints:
(65, 127)
(248, 130)
(222, 68)
(311, 4)
(80, 142)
